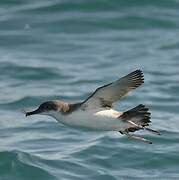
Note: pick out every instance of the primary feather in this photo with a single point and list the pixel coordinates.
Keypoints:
(107, 94)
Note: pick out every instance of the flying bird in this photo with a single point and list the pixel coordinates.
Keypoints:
(96, 112)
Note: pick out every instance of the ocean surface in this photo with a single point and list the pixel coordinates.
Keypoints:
(65, 49)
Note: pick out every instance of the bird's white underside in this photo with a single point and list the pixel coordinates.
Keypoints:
(100, 119)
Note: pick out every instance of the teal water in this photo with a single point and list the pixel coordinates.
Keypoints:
(64, 49)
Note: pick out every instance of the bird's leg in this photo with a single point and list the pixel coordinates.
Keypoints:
(137, 138)
(153, 131)
(144, 128)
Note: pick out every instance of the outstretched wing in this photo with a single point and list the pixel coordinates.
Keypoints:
(104, 96)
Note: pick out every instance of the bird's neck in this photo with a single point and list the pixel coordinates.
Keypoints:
(57, 115)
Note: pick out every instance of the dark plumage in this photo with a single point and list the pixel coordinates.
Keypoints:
(139, 116)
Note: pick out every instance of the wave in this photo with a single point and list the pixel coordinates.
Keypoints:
(19, 165)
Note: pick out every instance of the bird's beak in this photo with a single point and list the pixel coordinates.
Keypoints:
(37, 111)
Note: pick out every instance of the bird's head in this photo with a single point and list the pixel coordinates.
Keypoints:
(50, 108)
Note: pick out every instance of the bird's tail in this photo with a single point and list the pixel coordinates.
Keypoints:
(136, 119)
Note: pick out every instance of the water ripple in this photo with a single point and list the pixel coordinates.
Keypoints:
(65, 50)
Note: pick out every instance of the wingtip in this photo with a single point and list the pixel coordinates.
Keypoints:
(137, 78)
(139, 73)
(139, 70)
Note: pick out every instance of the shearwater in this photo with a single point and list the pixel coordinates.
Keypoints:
(96, 112)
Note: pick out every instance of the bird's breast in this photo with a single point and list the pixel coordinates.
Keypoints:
(94, 119)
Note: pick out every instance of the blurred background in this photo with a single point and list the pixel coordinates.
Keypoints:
(65, 49)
